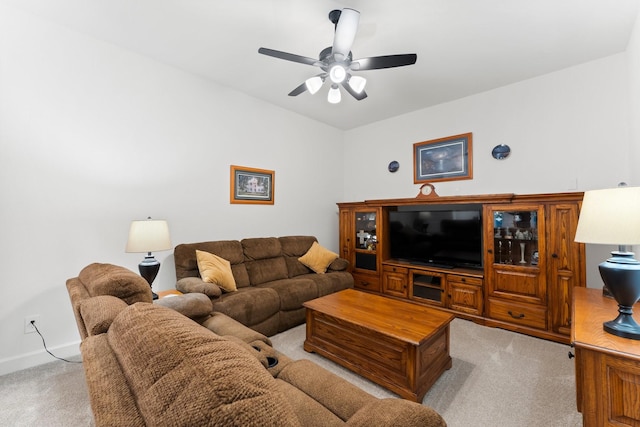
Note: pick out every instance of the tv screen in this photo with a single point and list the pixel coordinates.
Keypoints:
(446, 236)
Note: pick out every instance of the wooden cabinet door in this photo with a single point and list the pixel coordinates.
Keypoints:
(512, 271)
(395, 281)
(465, 294)
(565, 264)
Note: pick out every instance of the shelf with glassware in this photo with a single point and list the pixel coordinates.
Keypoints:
(359, 243)
(516, 238)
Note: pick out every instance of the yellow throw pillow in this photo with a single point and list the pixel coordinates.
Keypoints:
(318, 258)
(214, 269)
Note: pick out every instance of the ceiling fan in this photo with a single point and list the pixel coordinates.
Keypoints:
(336, 62)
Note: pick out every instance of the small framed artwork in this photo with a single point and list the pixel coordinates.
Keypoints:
(444, 159)
(251, 185)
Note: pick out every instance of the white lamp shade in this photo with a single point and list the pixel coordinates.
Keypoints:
(334, 96)
(357, 83)
(610, 217)
(149, 235)
(313, 84)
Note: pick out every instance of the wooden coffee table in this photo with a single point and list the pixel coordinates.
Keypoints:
(401, 346)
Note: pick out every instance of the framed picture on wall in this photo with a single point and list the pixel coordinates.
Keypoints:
(444, 159)
(251, 185)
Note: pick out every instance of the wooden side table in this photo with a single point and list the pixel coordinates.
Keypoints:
(607, 366)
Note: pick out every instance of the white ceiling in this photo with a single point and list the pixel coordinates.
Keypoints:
(463, 46)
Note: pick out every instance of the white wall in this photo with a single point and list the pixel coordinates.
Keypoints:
(568, 131)
(92, 137)
(633, 54)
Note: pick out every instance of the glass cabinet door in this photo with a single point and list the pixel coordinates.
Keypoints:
(365, 230)
(515, 237)
(366, 240)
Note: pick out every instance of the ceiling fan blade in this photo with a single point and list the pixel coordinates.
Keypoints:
(287, 56)
(346, 29)
(386, 61)
(359, 96)
(300, 89)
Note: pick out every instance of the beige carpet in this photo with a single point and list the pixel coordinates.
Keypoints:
(498, 378)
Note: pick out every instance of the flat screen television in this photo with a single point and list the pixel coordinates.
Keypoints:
(446, 236)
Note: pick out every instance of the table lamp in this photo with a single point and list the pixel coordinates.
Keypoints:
(612, 217)
(150, 235)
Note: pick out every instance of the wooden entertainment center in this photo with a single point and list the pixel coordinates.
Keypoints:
(530, 262)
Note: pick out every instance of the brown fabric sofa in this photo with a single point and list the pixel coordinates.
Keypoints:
(272, 284)
(148, 365)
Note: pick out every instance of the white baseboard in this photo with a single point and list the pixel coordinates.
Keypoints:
(40, 357)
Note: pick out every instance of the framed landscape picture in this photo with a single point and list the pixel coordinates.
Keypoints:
(251, 185)
(444, 159)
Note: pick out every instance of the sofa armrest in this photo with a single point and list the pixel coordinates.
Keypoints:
(224, 325)
(396, 412)
(188, 285)
(195, 306)
(338, 264)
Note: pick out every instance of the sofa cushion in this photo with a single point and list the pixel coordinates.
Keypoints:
(187, 376)
(293, 247)
(231, 250)
(99, 312)
(109, 279)
(293, 292)
(249, 306)
(318, 258)
(215, 269)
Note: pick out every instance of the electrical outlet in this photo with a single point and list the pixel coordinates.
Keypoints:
(28, 327)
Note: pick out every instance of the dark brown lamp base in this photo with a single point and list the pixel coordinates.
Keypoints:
(149, 268)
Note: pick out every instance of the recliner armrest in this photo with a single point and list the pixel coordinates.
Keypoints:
(396, 412)
(195, 306)
(188, 285)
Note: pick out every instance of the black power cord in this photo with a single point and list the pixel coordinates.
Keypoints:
(33, 323)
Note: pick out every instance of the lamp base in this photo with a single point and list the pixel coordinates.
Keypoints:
(623, 326)
(621, 276)
(149, 268)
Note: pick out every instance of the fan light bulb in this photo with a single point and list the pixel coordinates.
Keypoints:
(337, 74)
(357, 83)
(313, 84)
(334, 96)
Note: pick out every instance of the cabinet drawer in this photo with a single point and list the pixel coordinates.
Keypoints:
(476, 281)
(520, 314)
(394, 269)
(366, 282)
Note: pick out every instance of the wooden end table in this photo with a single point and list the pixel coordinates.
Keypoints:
(399, 345)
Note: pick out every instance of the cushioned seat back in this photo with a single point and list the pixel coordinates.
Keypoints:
(293, 247)
(197, 378)
(114, 280)
(231, 250)
(264, 260)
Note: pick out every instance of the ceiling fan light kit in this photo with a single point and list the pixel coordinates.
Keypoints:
(336, 61)
(334, 96)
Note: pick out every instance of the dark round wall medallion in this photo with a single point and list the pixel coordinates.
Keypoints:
(394, 166)
(501, 151)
